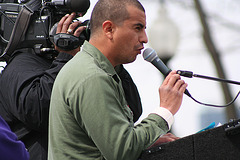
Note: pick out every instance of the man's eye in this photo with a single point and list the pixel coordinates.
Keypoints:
(138, 28)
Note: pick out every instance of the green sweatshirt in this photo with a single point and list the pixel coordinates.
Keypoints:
(89, 116)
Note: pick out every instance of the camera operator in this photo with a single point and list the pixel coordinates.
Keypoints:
(26, 84)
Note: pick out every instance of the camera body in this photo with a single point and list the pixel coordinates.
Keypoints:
(42, 23)
(69, 42)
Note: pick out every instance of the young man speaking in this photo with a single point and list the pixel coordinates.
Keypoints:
(89, 115)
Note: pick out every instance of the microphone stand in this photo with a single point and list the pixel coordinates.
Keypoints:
(191, 75)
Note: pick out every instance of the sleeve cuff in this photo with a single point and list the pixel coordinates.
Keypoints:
(165, 114)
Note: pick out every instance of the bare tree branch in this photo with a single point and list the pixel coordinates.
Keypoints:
(231, 110)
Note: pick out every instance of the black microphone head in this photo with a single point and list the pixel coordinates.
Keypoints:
(149, 54)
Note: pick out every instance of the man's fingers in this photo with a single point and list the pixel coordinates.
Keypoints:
(60, 23)
(172, 136)
(165, 82)
(171, 79)
(72, 27)
(79, 31)
(67, 22)
(174, 80)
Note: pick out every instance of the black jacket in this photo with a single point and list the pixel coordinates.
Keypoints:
(25, 89)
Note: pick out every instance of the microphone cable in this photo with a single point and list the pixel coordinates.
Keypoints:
(189, 74)
(212, 105)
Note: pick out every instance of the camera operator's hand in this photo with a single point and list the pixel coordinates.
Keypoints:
(66, 25)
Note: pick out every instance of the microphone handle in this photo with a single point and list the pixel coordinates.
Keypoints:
(157, 62)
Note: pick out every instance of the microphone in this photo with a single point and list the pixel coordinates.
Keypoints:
(150, 55)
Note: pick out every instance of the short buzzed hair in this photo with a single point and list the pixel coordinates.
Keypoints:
(113, 10)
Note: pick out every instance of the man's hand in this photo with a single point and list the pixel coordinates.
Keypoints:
(66, 25)
(169, 137)
(171, 92)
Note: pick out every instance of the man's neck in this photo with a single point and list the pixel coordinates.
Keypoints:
(104, 48)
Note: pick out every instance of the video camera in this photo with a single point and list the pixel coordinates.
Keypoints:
(42, 24)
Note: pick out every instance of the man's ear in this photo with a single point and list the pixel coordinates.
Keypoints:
(108, 29)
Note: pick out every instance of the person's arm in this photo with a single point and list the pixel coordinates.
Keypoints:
(134, 102)
(109, 122)
(116, 136)
(10, 147)
(26, 86)
(171, 94)
(28, 81)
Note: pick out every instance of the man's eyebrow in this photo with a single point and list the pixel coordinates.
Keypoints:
(140, 25)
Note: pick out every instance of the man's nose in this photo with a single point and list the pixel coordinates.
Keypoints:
(144, 38)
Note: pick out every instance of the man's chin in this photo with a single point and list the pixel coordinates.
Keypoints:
(131, 60)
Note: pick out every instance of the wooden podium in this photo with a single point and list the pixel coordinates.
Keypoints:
(220, 143)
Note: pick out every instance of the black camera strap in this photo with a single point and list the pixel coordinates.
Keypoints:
(20, 28)
(18, 33)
